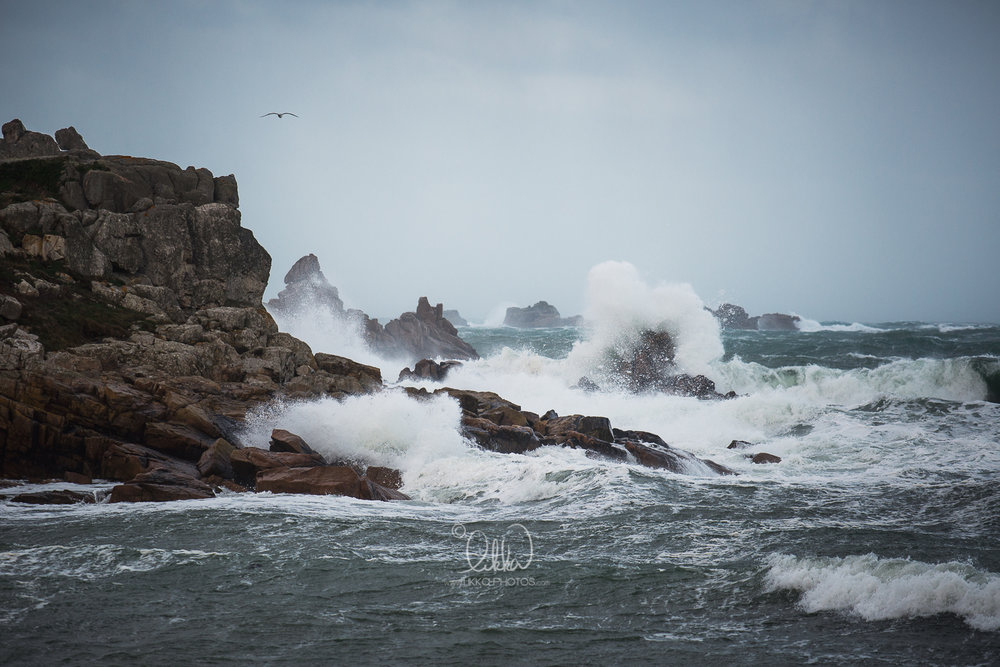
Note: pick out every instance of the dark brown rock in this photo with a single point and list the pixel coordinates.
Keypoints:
(324, 480)
(764, 457)
(594, 427)
(369, 377)
(739, 444)
(500, 439)
(248, 462)
(373, 491)
(428, 369)
(125, 461)
(77, 478)
(160, 485)
(57, 497)
(178, 440)
(387, 477)
(216, 460)
(283, 441)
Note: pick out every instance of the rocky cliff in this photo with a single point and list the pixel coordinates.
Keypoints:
(137, 339)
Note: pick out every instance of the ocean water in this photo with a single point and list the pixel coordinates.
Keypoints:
(876, 540)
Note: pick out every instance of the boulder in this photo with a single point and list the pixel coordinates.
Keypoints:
(427, 369)
(56, 497)
(764, 457)
(70, 140)
(10, 308)
(215, 461)
(160, 485)
(248, 462)
(19, 142)
(387, 477)
(324, 480)
(283, 441)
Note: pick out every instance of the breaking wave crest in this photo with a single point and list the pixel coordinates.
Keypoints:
(886, 588)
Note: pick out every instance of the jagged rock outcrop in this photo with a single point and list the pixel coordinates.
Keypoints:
(306, 288)
(731, 316)
(539, 316)
(423, 334)
(648, 365)
(498, 425)
(142, 341)
(132, 225)
(428, 369)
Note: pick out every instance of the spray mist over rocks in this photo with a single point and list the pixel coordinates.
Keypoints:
(621, 305)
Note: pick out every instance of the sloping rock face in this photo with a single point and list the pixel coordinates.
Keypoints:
(141, 342)
(306, 288)
(539, 316)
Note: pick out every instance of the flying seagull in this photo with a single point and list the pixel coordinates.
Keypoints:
(279, 115)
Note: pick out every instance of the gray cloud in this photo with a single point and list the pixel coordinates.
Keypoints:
(836, 159)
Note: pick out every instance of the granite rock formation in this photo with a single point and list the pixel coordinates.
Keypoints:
(423, 334)
(142, 343)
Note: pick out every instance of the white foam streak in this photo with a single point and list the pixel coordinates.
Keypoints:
(812, 326)
(880, 589)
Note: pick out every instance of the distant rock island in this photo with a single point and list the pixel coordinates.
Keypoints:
(456, 319)
(731, 316)
(542, 315)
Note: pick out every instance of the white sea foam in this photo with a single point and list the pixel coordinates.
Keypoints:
(885, 588)
(620, 304)
(812, 326)
(326, 331)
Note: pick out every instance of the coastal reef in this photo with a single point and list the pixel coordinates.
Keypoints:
(134, 341)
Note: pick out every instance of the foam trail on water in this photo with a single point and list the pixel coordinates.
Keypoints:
(879, 589)
(812, 326)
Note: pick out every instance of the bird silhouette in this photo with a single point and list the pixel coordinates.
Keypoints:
(279, 115)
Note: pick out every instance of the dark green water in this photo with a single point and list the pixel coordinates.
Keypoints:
(875, 541)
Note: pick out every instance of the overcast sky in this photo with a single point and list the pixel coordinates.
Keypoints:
(836, 159)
